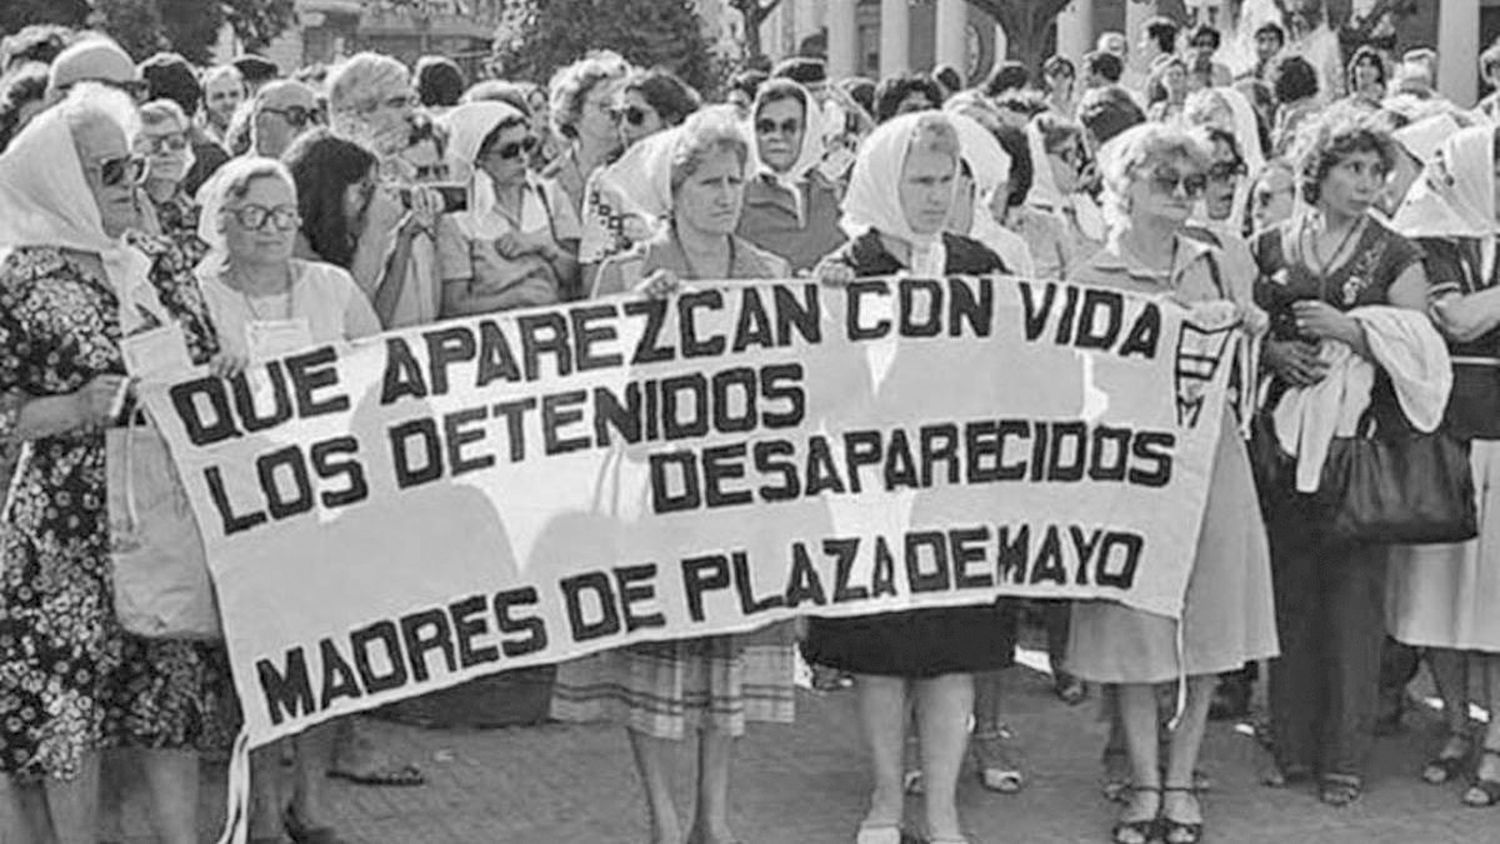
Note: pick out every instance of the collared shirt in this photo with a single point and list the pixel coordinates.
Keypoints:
(1192, 277)
(770, 220)
(623, 272)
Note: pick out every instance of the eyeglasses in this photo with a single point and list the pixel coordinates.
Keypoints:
(400, 102)
(282, 217)
(789, 126)
(510, 150)
(1226, 171)
(295, 116)
(432, 171)
(634, 115)
(153, 144)
(1168, 182)
(122, 169)
(1263, 197)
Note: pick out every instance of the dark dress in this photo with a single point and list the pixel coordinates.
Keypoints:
(1330, 595)
(71, 681)
(925, 642)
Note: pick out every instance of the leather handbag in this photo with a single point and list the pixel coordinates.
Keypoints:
(162, 585)
(1398, 488)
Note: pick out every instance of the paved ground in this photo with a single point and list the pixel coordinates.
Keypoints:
(806, 784)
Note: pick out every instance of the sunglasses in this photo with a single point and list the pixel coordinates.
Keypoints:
(295, 116)
(282, 217)
(1225, 171)
(634, 115)
(433, 171)
(153, 144)
(122, 169)
(790, 126)
(1265, 196)
(511, 150)
(1168, 182)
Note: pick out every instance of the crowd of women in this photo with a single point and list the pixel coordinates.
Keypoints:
(1357, 235)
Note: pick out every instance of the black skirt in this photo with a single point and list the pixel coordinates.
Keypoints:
(917, 643)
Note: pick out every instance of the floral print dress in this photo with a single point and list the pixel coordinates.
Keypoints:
(71, 681)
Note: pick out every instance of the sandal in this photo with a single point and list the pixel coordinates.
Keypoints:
(891, 833)
(993, 765)
(1484, 793)
(1340, 790)
(1441, 768)
(1141, 831)
(1180, 832)
(1116, 780)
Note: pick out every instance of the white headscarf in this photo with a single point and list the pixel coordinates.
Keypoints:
(1045, 195)
(1246, 132)
(468, 125)
(1456, 195)
(643, 175)
(988, 161)
(214, 195)
(809, 156)
(47, 202)
(873, 200)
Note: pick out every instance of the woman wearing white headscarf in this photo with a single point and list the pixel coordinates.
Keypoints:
(791, 209)
(1060, 164)
(896, 211)
(515, 245)
(704, 689)
(1443, 597)
(1228, 110)
(986, 183)
(77, 280)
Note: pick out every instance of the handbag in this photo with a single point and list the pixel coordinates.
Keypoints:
(162, 585)
(1398, 488)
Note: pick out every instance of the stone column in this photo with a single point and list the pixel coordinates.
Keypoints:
(1075, 30)
(953, 35)
(895, 35)
(1458, 50)
(843, 39)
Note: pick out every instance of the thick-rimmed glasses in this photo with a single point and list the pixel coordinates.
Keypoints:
(255, 217)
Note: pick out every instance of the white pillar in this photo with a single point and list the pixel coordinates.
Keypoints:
(953, 35)
(1075, 30)
(843, 39)
(1458, 50)
(1137, 13)
(895, 37)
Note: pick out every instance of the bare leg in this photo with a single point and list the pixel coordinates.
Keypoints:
(1186, 740)
(23, 811)
(882, 716)
(1139, 720)
(172, 781)
(653, 761)
(711, 815)
(1450, 670)
(1481, 794)
(987, 691)
(74, 804)
(943, 707)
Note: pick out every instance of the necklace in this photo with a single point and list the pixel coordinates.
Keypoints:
(1324, 267)
(255, 313)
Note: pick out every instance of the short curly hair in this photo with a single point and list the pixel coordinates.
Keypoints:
(1293, 78)
(570, 87)
(1325, 144)
(893, 91)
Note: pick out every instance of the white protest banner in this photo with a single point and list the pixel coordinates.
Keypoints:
(436, 504)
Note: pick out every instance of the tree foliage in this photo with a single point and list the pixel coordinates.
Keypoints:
(1026, 24)
(549, 34)
(142, 27)
(257, 22)
(18, 14)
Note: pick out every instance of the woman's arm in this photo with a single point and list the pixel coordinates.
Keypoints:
(87, 407)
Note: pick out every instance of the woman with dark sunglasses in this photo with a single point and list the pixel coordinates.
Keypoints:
(281, 112)
(791, 209)
(1153, 178)
(513, 247)
(78, 280)
(164, 141)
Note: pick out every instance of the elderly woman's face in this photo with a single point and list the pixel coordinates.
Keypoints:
(926, 189)
(1353, 184)
(111, 172)
(167, 147)
(779, 129)
(1165, 189)
(596, 117)
(261, 227)
(504, 158)
(710, 200)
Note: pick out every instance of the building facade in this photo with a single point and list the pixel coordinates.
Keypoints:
(878, 37)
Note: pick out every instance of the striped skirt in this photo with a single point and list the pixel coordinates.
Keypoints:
(667, 689)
